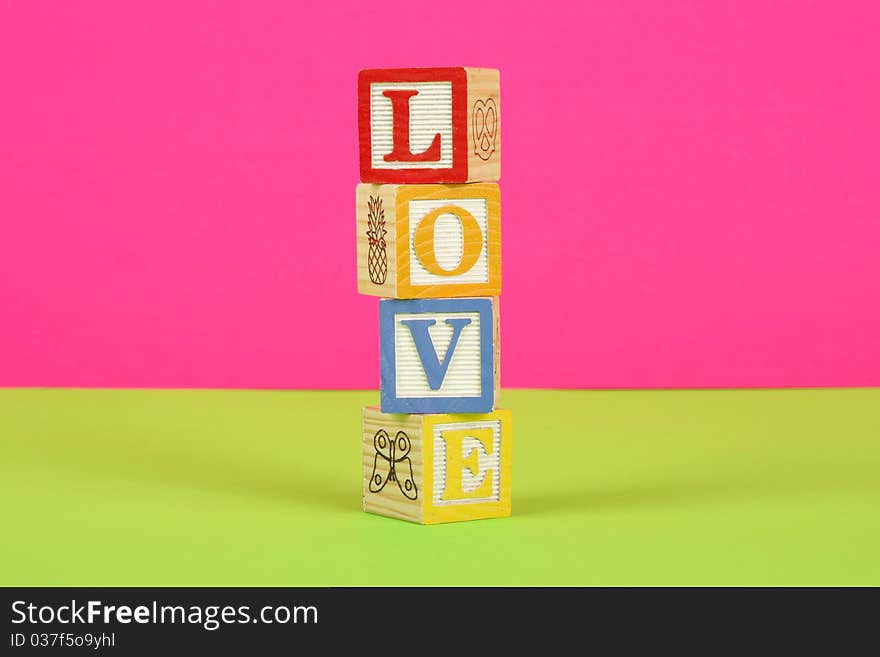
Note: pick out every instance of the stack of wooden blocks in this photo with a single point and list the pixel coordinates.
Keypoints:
(429, 243)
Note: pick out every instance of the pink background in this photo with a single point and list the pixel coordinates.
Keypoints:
(690, 190)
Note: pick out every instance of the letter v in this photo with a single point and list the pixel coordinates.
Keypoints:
(435, 371)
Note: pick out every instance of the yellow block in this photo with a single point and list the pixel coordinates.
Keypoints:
(437, 468)
(429, 241)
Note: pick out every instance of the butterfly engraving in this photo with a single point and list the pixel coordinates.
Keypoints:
(396, 453)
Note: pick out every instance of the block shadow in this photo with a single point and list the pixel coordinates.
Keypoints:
(190, 468)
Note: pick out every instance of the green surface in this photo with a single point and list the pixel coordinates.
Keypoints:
(233, 488)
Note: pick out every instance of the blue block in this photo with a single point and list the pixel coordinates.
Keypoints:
(437, 355)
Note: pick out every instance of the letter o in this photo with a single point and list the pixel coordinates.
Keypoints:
(472, 241)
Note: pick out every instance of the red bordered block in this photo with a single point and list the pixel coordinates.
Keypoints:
(429, 125)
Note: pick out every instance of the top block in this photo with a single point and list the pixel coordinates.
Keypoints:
(429, 125)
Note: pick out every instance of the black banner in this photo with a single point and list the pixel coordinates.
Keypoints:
(154, 621)
(177, 620)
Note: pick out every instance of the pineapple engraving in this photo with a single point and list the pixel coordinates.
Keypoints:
(377, 258)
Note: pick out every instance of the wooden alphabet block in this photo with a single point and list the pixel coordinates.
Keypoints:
(417, 241)
(429, 125)
(439, 355)
(437, 468)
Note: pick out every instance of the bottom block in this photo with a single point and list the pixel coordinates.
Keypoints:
(437, 468)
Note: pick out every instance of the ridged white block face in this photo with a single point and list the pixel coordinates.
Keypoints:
(464, 373)
(469, 481)
(430, 113)
(449, 241)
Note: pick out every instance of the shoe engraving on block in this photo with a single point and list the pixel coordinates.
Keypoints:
(377, 259)
(485, 127)
(394, 452)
